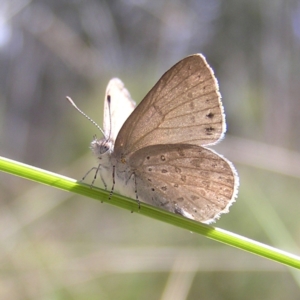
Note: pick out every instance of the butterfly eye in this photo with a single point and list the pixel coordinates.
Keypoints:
(103, 148)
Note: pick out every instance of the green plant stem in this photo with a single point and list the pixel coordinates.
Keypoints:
(71, 185)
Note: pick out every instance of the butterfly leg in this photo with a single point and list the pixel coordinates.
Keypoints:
(135, 190)
(136, 193)
(84, 177)
(96, 173)
(113, 185)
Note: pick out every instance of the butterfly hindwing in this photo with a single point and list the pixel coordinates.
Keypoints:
(187, 179)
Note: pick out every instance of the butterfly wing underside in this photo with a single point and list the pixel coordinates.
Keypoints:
(118, 106)
(183, 107)
(189, 180)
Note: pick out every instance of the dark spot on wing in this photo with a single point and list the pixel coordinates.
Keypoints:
(210, 115)
(177, 170)
(209, 130)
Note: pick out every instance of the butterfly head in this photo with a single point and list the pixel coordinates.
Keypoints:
(101, 147)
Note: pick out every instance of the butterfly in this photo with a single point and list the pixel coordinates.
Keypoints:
(157, 152)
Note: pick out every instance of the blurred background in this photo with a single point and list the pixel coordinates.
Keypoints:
(55, 245)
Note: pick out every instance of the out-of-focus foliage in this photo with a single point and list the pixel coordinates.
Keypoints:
(57, 247)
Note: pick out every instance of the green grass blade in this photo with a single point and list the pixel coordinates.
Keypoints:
(71, 185)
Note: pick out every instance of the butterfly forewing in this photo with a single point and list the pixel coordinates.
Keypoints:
(183, 107)
(186, 179)
(118, 105)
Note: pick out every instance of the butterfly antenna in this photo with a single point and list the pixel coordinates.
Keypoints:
(109, 113)
(75, 106)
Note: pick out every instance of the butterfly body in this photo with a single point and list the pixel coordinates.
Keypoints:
(122, 180)
(158, 151)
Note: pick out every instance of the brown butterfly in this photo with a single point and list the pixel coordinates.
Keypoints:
(157, 153)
